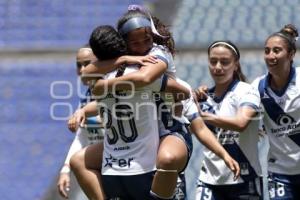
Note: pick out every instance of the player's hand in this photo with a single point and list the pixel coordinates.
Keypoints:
(63, 185)
(208, 117)
(201, 93)
(141, 60)
(76, 120)
(232, 165)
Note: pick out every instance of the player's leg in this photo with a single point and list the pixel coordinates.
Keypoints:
(86, 165)
(173, 156)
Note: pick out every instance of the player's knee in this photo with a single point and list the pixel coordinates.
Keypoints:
(167, 160)
(77, 161)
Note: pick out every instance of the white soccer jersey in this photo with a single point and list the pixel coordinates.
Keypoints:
(241, 146)
(134, 151)
(282, 123)
(166, 121)
(131, 137)
(190, 110)
(163, 53)
(90, 134)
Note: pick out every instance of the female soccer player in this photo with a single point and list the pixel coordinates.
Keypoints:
(140, 42)
(123, 154)
(173, 152)
(280, 97)
(90, 134)
(229, 110)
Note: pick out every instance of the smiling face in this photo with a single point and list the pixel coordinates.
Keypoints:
(222, 64)
(277, 56)
(139, 41)
(84, 57)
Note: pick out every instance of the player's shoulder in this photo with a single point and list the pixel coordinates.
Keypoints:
(244, 89)
(158, 47)
(256, 81)
(242, 86)
(159, 50)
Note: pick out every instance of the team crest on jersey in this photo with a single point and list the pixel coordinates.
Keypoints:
(285, 119)
(206, 107)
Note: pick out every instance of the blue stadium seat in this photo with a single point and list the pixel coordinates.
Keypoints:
(32, 144)
(46, 24)
(245, 22)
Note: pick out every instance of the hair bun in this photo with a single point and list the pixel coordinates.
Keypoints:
(290, 30)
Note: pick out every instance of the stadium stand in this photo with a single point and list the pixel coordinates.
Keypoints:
(32, 144)
(55, 24)
(246, 23)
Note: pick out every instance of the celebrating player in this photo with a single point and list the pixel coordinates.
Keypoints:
(228, 109)
(280, 97)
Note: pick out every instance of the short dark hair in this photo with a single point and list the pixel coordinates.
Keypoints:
(107, 43)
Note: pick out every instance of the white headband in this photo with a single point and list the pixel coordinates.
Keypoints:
(134, 23)
(144, 10)
(226, 44)
(85, 48)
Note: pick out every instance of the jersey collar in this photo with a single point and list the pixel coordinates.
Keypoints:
(231, 87)
(279, 93)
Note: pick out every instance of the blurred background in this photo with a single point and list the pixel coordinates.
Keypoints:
(39, 88)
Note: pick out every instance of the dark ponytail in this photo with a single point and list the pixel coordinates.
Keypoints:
(164, 30)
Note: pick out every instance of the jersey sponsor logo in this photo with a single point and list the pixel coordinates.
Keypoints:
(121, 148)
(287, 130)
(289, 126)
(116, 95)
(121, 162)
(94, 135)
(292, 131)
(95, 139)
(228, 137)
(93, 130)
